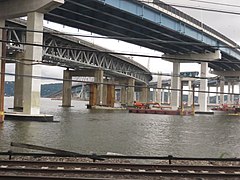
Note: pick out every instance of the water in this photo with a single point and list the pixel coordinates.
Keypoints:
(87, 131)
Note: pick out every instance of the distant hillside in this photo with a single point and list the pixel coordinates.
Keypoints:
(46, 89)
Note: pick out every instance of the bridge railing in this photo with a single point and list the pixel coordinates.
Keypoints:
(192, 20)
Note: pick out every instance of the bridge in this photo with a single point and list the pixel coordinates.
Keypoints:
(83, 55)
(158, 26)
(82, 59)
(152, 24)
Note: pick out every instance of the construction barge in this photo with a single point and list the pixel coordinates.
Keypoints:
(155, 108)
(227, 109)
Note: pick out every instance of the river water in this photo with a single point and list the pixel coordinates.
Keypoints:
(101, 131)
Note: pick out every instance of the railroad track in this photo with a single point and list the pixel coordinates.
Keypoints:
(12, 169)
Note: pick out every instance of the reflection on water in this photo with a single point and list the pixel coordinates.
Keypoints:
(86, 131)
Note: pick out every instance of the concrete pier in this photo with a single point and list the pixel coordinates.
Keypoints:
(93, 95)
(98, 79)
(232, 96)
(190, 93)
(217, 95)
(110, 95)
(31, 86)
(175, 95)
(203, 87)
(67, 89)
(222, 91)
(123, 95)
(229, 91)
(130, 91)
(18, 85)
(34, 10)
(144, 94)
(159, 89)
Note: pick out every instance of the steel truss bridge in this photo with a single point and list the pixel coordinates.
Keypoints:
(153, 21)
(80, 54)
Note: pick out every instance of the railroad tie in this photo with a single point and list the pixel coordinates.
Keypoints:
(77, 168)
(204, 171)
(158, 170)
(175, 171)
(2, 166)
(109, 169)
(222, 172)
(191, 171)
(127, 169)
(236, 172)
(142, 170)
(60, 168)
(44, 167)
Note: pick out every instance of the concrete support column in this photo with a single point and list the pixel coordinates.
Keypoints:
(135, 95)
(18, 85)
(175, 95)
(67, 89)
(169, 95)
(217, 95)
(203, 87)
(162, 98)
(130, 91)
(31, 86)
(148, 94)
(93, 95)
(222, 91)
(123, 95)
(154, 98)
(190, 94)
(110, 95)
(232, 96)
(98, 78)
(208, 95)
(105, 92)
(144, 94)
(229, 91)
(158, 91)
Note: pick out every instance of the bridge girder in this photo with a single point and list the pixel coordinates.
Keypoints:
(147, 20)
(77, 54)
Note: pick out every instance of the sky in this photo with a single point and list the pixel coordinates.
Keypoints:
(227, 24)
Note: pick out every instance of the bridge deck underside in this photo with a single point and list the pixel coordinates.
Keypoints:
(97, 17)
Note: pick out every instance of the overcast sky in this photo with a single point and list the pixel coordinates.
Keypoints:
(227, 24)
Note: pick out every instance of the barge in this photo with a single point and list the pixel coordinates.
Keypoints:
(225, 109)
(155, 108)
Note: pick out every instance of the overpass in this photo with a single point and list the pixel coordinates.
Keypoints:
(158, 26)
(81, 58)
(150, 23)
(75, 58)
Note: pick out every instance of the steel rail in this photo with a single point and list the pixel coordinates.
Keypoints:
(118, 165)
(102, 157)
(60, 172)
(31, 177)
